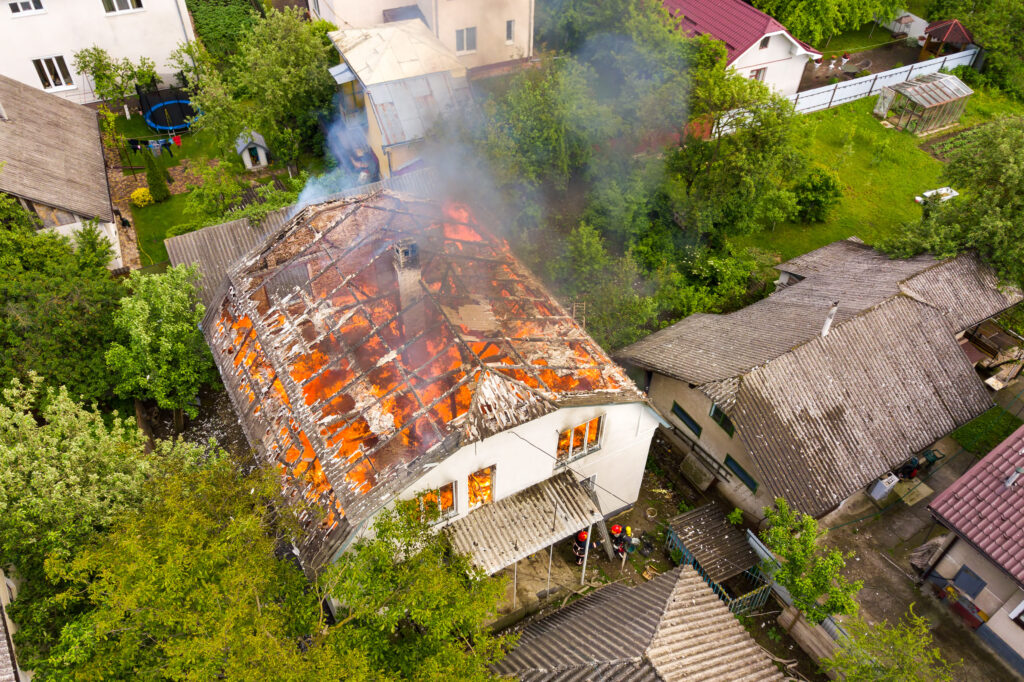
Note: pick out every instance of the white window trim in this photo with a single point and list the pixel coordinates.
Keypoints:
(512, 40)
(60, 88)
(118, 12)
(25, 12)
(572, 457)
(459, 52)
(454, 511)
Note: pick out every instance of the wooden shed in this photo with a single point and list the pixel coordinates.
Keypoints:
(924, 104)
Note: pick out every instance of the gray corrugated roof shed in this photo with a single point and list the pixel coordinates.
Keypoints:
(8, 664)
(51, 152)
(720, 547)
(407, 108)
(673, 628)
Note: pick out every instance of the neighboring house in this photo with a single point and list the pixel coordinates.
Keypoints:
(478, 32)
(981, 571)
(51, 160)
(396, 80)
(385, 347)
(850, 367)
(670, 629)
(758, 46)
(41, 37)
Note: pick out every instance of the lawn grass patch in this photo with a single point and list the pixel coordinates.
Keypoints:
(985, 432)
(193, 145)
(855, 40)
(151, 225)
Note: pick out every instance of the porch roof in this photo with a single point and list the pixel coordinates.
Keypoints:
(720, 547)
(499, 534)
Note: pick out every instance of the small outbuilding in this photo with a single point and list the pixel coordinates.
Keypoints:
(253, 149)
(923, 104)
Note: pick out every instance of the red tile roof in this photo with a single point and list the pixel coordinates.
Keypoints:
(734, 22)
(982, 510)
(949, 31)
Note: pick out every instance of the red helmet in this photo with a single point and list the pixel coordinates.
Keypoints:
(616, 529)
(582, 537)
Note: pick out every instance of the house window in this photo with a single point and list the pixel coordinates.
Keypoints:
(968, 582)
(510, 31)
(758, 74)
(114, 6)
(722, 419)
(465, 40)
(765, 41)
(685, 417)
(579, 441)
(23, 7)
(440, 500)
(53, 72)
(352, 99)
(481, 487)
(316, 7)
(741, 473)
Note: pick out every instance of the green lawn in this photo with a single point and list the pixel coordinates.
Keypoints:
(856, 40)
(151, 224)
(983, 433)
(193, 146)
(881, 171)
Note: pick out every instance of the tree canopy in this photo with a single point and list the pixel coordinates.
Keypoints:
(58, 303)
(114, 80)
(812, 574)
(817, 20)
(985, 164)
(998, 26)
(901, 652)
(165, 357)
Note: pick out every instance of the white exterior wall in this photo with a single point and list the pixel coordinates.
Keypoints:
(663, 391)
(618, 465)
(67, 26)
(445, 17)
(1000, 596)
(783, 59)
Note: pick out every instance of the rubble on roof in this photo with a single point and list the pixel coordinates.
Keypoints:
(374, 336)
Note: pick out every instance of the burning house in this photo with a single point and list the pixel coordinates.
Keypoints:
(385, 347)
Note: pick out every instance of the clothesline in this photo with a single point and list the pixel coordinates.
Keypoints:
(155, 147)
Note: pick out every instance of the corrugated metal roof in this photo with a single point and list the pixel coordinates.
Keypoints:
(393, 51)
(499, 534)
(51, 152)
(720, 547)
(407, 108)
(987, 513)
(933, 89)
(673, 628)
(736, 23)
(8, 664)
(964, 290)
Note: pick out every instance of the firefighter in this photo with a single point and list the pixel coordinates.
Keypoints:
(618, 541)
(579, 547)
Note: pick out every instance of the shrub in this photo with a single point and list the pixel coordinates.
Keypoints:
(156, 180)
(142, 197)
(862, 73)
(735, 517)
(833, 80)
(221, 23)
(816, 194)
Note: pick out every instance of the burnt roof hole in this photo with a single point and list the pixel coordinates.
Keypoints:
(407, 253)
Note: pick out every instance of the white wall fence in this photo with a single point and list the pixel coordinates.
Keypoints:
(848, 91)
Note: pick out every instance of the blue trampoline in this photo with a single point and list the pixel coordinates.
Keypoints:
(166, 111)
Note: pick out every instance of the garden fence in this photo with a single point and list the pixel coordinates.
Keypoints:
(848, 91)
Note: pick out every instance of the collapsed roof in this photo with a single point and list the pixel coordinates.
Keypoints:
(372, 337)
(823, 415)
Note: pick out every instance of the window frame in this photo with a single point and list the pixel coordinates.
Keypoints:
(572, 454)
(43, 72)
(739, 472)
(759, 74)
(469, 502)
(721, 418)
(114, 9)
(510, 31)
(765, 42)
(463, 35)
(442, 515)
(21, 12)
(686, 418)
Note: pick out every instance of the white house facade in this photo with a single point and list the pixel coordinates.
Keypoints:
(777, 60)
(39, 38)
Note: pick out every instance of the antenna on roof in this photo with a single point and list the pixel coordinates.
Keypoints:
(828, 319)
(1012, 478)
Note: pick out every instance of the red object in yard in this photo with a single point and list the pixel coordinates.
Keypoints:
(616, 529)
(582, 537)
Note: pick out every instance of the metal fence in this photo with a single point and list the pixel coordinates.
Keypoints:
(848, 91)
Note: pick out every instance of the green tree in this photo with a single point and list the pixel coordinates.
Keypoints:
(114, 80)
(66, 471)
(816, 194)
(219, 188)
(58, 303)
(903, 652)
(816, 20)
(414, 607)
(998, 26)
(812, 574)
(166, 358)
(986, 164)
(156, 179)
